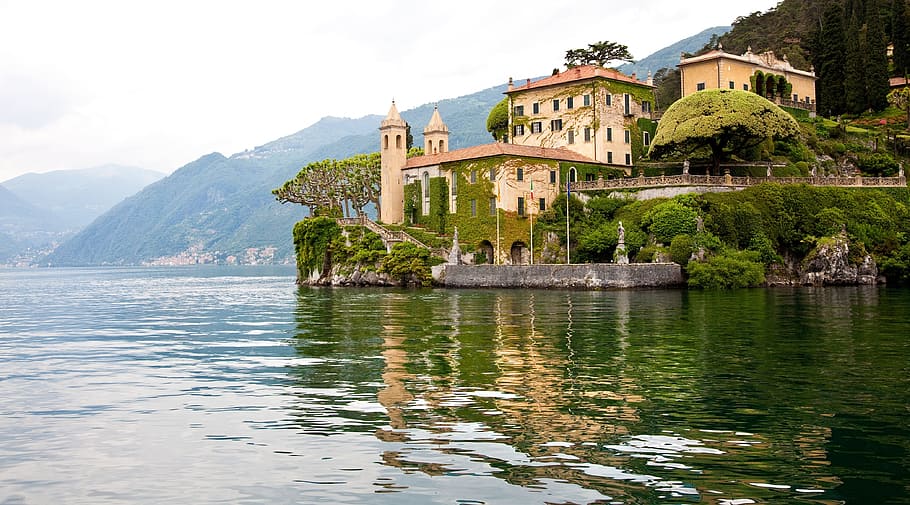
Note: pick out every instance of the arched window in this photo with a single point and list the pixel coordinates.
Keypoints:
(572, 174)
(385, 144)
(398, 142)
(426, 185)
(442, 144)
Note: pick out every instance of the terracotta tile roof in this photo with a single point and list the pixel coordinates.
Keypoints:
(765, 60)
(498, 149)
(579, 73)
(897, 82)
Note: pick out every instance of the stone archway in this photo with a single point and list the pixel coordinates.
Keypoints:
(486, 248)
(519, 253)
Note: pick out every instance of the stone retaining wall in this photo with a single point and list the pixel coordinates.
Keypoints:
(584, 276)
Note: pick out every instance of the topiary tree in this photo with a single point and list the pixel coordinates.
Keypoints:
(724, 121)
(498, 120)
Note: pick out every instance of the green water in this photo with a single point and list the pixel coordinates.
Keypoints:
(778, 396)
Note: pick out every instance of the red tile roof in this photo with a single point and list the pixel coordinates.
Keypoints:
(579, 73)
(498, 149)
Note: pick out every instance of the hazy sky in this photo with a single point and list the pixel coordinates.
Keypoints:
(156, 84)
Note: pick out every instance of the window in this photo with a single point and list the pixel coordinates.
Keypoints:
(587, 134)
(795, 97)
(609, 134)
(385, 143)
(556, 105)
(426, 185)
(520, 174)
(552, 176)
(473, 176)
(556, 125)
(473, 207)
(542, 204)
(572, 174)
(587, 100)
(570, 102)
(454, 184)
(571, 136)
(609, 156)
(627, 136)
(732, 85)
(627, 104)
(646, 106)
(397, 141)
(535, 108)
(492, 174)
(745, 87)
(521, 205)
(700, 86)
(628, 159)
(536, 127)
(518, 130)
(493, 206)
(609, 100)
(519, 110)
(589, 177)
(646, 140)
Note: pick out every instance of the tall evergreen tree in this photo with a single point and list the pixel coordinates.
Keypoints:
(877, 85)
(900, 37)
(855, 71)
(830, 61)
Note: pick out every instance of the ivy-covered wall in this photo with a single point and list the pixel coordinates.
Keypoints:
(413, 210)
(439, 204)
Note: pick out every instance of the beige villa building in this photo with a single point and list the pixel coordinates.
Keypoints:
(587, 109)
(721, 70)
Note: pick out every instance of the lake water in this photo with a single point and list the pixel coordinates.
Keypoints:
(230, 385)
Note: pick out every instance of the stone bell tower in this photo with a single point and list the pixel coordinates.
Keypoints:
(435, 135)
(393, 155)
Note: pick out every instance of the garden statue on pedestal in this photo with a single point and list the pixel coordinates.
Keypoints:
(621, 257)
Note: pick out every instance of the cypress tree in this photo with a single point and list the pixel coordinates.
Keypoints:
(855, 71)
(877, 85)
(900, 37)
(830, 61)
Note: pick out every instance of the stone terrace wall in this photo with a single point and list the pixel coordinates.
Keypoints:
(584, 276)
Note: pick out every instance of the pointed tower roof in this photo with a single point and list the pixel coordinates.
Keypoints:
(393, 118)
(436, 124)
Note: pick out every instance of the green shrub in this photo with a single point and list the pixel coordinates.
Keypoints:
(668, 220)
(681, 249)
(896, 267)
(408, 264)
(877, 164)
(727, 271)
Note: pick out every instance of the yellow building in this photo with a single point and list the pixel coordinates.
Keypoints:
(587, 109)
(721, 70)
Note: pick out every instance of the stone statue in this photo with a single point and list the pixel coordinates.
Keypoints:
(455, 253)
(686, 167)
(699, 224)
(769, 169)
(900, 169)
(620, 256)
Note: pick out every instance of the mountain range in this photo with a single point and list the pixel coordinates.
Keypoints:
(38, 211)
(668, 57)
(220, 209)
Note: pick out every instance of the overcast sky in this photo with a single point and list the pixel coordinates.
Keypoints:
(156, 84)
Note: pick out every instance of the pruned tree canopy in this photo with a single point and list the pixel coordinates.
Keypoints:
(724, 121)
(327, 186)
(599, 53)
(498, 120)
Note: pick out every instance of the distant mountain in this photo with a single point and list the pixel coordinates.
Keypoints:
(76, 197)
(220, 209)
(668, 57)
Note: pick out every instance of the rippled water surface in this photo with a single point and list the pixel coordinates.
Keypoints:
(230, 385)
